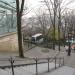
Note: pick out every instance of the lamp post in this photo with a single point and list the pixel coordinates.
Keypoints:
(69, 43)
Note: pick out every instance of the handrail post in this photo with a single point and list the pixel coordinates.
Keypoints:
(59, 61)
(63, 60)
(36, 66)
(55, 62)
(12, 67)
(48, 64)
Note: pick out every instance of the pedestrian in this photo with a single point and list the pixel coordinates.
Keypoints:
(74, 48)
(66, 47)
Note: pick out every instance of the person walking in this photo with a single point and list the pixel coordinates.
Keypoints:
(74, 48)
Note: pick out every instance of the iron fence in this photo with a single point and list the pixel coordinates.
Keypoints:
(48, 60)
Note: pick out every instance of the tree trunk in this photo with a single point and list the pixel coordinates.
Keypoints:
(59, 24)
(59, 36)
(19, 15)
(19, 36)
(54, 24)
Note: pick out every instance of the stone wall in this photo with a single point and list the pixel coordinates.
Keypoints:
(9, 42)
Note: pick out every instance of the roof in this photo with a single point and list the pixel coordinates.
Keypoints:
(38, 34)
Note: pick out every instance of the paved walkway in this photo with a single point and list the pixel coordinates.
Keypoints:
(37, 52)
(68, 60)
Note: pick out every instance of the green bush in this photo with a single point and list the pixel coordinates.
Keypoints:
(51, 33)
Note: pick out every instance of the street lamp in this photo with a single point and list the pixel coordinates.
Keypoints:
(69, 44)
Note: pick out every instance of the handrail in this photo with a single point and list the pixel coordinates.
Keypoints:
(12, 60)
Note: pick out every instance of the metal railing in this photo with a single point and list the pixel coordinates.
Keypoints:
(48, 60)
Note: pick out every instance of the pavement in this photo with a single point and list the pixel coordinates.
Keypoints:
(37, 52)
(67, 69)
(42, 69)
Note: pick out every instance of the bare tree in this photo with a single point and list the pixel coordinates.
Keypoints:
(69, 18)
(53, 6)
(59, 22)
(19, 11)
(43, 21)
(61, 9)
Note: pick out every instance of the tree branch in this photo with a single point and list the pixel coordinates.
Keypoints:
(22, 5)
(17, 6)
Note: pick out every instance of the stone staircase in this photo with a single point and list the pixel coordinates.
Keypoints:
(42, 70)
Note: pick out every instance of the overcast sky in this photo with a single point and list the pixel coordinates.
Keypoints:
(37, 2)
(33, 5)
